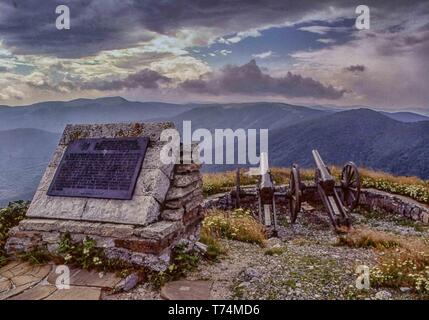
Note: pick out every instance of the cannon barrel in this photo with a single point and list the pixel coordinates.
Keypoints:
(326, 180)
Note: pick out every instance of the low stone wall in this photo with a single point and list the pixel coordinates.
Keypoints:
(396, 204)
(370, 198)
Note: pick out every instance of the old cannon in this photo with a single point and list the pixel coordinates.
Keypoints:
(339, 200)
(267, 212)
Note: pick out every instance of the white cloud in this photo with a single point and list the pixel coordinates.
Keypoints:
(323, 29)
(243, 35)
(326, 41)
(263, 55)
(225, 52)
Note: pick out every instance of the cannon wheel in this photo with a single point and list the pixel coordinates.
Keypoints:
(350, 185)
(295, 193)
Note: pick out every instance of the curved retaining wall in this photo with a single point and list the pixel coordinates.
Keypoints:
(370, 198)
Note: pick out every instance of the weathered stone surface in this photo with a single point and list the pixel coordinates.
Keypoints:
(114, 130)
(172, 214)
(152, 239)
(82, 227)
(395, 204)
(44, 206)
(187, 168)
(152, 160)
(5, 285)
(153, 262)
(193, 216)
(152, 182)
(37, 293)
(196, 201)
(94, 279)
(142, 210)
(57, 156)
(15, 291)
(129, 283)
(76, 293)
(178, 193)
(158, 230)
(20, 241)
(47, 178)
(184, 180)
(24, 279)
(187, 290)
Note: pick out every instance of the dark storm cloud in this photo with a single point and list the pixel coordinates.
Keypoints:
(28, 27)
(146, 78)
(355, 68)
(249, 79)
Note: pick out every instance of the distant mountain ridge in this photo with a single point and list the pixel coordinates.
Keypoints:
(29, 134)
(54, 115)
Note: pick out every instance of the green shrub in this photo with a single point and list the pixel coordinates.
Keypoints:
(87, 255)
(182, 262)
(9, 218)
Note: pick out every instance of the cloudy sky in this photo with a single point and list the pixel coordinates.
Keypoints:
(307, 52)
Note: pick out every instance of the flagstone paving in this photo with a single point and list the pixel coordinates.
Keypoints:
(23, 281)
(187, 290)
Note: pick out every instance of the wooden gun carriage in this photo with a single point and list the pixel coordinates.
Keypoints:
(338, 199)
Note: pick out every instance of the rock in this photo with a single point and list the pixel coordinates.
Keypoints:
(383, 295)
(76, 293)
(187, 290)
(173, 214)
(36, 293)
(129, 283)
(201, 247)
(405, 289)
(251, 273)
(152, 182)
(184, 180)
(274, 243)
(159, 230)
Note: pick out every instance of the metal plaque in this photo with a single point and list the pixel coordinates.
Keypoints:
(105, 168)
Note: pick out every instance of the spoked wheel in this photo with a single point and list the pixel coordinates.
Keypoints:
(350, 185)
(295, 193)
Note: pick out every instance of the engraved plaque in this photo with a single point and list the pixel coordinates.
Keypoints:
(104, 168)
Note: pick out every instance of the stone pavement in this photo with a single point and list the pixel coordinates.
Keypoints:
(187, 290)
(22, 281)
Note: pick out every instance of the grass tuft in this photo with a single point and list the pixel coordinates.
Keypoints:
(236, 225)
(366, 238)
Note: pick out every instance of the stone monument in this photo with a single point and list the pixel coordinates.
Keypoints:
(108, 182)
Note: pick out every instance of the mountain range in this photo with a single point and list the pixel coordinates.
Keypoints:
(394, 142)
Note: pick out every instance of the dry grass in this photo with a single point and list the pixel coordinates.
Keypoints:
(237, 225)
(367, 238)
(214, 247)
(402, 262)
(412, 187)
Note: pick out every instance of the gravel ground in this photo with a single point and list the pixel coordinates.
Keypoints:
(311, 265)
